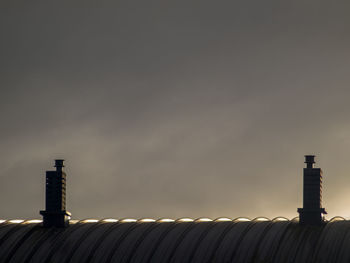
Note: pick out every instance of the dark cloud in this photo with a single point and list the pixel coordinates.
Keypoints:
(174, 108)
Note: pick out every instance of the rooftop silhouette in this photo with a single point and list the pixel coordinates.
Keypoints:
(57, 238)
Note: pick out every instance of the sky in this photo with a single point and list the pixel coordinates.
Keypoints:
(174, 108)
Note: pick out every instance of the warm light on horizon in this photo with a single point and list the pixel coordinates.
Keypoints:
(16, 221)
(185, 219)
(89, 221)
(146, 220)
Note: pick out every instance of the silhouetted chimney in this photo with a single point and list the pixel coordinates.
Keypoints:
(311, 213)
(55, 214)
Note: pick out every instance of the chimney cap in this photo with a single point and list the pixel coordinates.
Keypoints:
(59, 163)
(309, 159)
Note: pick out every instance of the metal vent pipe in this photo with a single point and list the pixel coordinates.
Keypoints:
(55, 214)
(311, 213)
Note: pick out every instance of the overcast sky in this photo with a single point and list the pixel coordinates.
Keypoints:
(174, 108)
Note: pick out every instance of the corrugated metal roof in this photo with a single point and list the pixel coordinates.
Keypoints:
(166, 240)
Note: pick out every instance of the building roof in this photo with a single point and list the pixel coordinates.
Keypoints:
(184, 240)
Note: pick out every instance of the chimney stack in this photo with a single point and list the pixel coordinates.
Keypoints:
(55, 214)
(311, 213)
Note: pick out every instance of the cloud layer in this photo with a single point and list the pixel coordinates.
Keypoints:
(174, 108)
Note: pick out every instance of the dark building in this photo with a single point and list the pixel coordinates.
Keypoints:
(312, 239)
